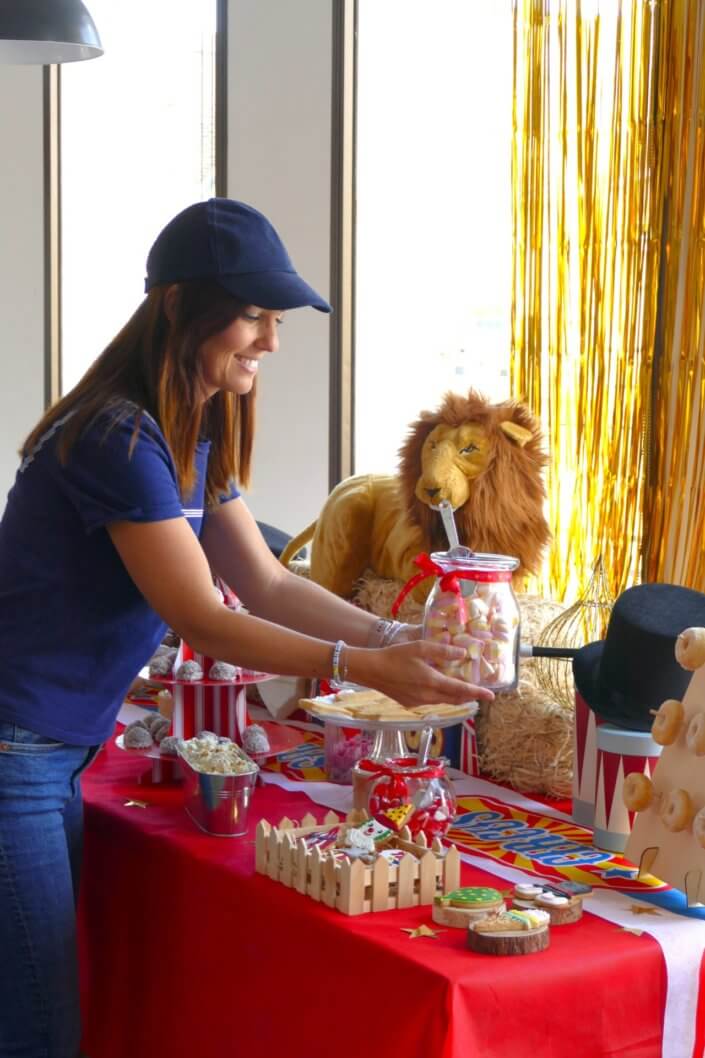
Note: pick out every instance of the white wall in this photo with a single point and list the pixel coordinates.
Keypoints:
(21, 262)
(279, 160)
(279, 137)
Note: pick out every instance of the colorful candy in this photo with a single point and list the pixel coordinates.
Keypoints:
(488, 634)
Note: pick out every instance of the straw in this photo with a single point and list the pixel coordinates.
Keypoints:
(424, 746)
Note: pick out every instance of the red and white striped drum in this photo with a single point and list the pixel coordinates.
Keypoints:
(619, 753)
(584, 762)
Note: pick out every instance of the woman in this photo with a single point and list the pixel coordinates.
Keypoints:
(124, 506)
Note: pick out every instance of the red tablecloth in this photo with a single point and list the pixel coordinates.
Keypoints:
(187, 952)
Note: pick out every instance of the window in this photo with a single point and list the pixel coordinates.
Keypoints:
(137, 145)
(433, 229)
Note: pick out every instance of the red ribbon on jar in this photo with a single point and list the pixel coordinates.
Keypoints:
(449, 581)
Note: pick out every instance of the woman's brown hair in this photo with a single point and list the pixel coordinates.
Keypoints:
(154, 363)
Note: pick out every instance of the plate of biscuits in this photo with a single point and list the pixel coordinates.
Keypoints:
(370, 710)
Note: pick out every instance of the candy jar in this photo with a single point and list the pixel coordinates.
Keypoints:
(343, 749)
(389, 744)
(472, 605)
(402, 793)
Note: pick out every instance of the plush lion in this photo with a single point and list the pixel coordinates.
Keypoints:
(486, 459)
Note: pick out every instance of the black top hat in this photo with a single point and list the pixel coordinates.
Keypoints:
(634, 669)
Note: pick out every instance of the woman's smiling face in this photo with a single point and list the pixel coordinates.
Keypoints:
(230, 359)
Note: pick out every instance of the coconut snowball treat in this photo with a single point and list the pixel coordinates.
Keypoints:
(255, 740)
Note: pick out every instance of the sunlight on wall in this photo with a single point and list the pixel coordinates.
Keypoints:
(433, 264)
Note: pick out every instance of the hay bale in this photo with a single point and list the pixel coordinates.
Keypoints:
(526, 741)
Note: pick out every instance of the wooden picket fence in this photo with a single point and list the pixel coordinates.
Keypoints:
(352, 886)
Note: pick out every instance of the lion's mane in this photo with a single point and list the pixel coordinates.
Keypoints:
(504, 513)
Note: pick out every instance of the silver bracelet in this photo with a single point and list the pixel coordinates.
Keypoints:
(391, 632)
(383, 632)
(376, 634)
(338, 676)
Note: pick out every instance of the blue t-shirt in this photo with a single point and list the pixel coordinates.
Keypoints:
(74, 628)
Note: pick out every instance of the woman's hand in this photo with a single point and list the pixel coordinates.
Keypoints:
(405, 673)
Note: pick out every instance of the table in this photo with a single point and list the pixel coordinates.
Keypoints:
(187, 952)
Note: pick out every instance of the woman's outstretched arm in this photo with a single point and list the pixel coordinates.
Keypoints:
(170, 568)
(239, 554)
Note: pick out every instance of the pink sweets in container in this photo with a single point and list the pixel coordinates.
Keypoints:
(472, 605)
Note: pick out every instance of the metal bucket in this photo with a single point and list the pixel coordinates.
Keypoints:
(218, 804)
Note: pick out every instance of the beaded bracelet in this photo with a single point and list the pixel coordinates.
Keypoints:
(338, 676)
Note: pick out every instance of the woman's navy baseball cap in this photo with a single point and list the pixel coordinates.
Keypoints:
(235, 246)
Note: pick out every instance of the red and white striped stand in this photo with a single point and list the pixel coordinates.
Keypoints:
(207, 705)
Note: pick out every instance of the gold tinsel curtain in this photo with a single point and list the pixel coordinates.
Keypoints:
(674, 533)
(605, 108)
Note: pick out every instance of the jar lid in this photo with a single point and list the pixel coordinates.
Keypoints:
(474, 561)
(406, 766)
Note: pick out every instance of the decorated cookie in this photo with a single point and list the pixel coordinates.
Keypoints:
(475, 897)
(527, 891)
(393, 856)
(462, 906)
(324, 839)
(562, 907)
(397, 817)
(374, 829)
(510, 933)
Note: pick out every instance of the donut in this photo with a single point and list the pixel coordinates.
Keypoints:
(667, 722)
(695, 735)
(637, 792)
(677, 810)
(690, 648)
(699, 827)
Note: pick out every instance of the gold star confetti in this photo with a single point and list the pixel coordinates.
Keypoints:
(628, 929)
(639, 909)
(136, 804)
(422, 931)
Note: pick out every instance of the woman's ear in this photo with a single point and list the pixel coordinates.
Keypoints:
(170, 301)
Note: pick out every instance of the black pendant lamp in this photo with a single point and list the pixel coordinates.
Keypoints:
(46, 31)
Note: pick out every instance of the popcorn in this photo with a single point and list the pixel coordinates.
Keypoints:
(213, 756)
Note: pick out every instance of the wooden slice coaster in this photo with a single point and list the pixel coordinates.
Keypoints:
(460, 917)
(514, 942)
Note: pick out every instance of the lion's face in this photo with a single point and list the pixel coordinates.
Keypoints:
(451, 458)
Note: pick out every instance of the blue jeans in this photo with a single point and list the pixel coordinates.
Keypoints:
(41, 827)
